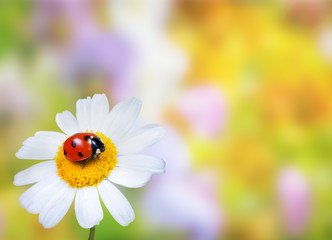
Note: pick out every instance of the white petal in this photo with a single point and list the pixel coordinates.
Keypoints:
(57, 207)
(44, 145)
(116, 203)
(87, 207)
(36, 196)
(35, 153)
(83, 114)
(99, 111)
(140, 139)
(142, 162)
(129, 177)
(52, 137)
(121, 118)
(67, 123)
(34, 173)
(45, 140)
(39, 141)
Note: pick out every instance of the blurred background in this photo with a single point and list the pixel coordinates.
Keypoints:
(244, 89)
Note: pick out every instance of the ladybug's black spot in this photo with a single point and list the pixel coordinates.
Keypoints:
(73, 144)
(80, 154)
(87, 138)
(65, 152)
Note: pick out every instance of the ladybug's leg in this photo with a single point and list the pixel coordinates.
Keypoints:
(84, 164)
(86, 161)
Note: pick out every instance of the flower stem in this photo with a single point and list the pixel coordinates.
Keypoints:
(92, 233)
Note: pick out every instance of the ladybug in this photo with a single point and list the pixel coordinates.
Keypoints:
(82, 146)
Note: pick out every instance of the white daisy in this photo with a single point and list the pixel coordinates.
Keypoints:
(59, 181)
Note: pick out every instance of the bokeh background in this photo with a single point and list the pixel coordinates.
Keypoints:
(244, 89)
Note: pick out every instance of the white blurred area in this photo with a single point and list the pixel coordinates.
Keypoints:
(158, 64)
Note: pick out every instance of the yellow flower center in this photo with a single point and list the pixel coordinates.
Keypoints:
(95, 169)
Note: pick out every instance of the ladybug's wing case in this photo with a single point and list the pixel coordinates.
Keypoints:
(75, 148)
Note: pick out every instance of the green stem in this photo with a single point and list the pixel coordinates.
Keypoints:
(92, 233)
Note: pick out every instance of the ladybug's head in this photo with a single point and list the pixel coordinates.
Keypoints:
(97, 146)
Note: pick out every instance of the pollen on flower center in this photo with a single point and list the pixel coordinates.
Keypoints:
(94, 171)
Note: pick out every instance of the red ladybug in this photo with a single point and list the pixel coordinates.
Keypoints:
(82, 146)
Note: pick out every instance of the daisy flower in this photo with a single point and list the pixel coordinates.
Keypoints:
(59, 182)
